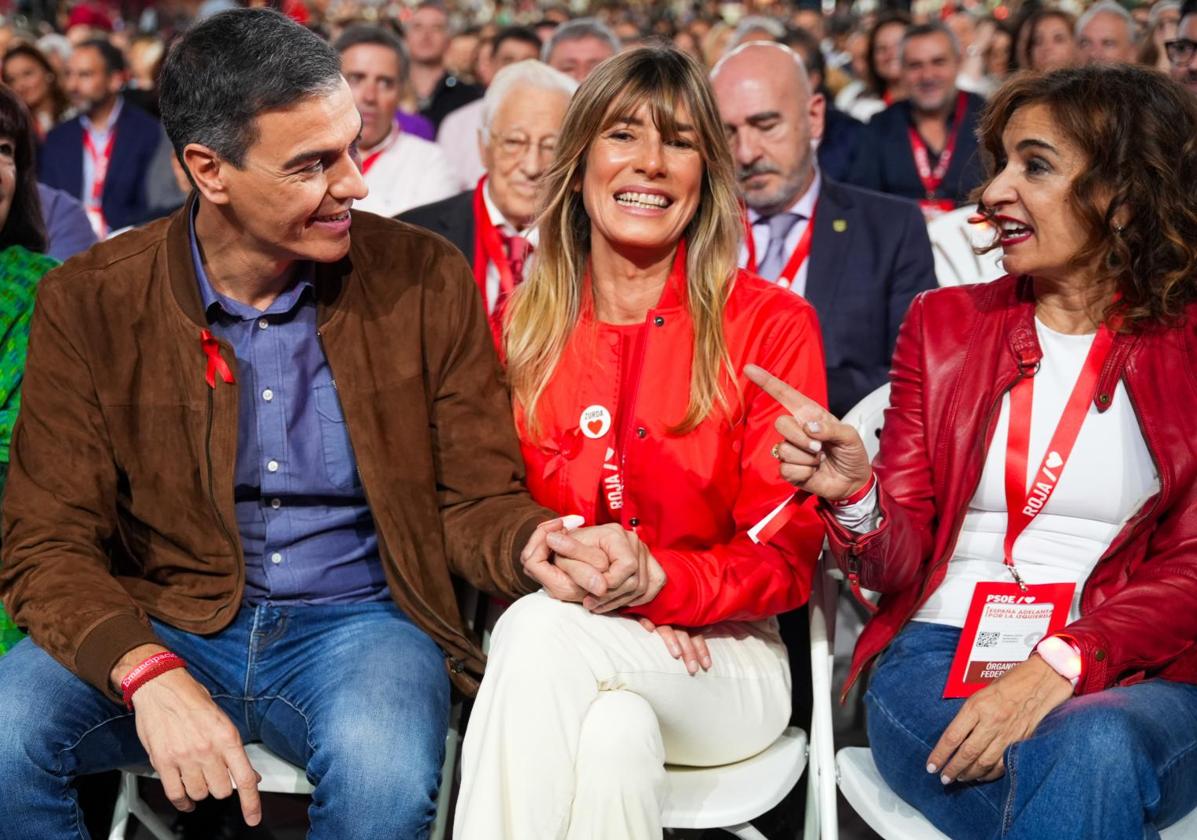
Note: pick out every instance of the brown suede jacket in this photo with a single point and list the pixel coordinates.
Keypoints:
(119, 502)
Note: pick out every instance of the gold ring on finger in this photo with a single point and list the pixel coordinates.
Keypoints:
(776, 451)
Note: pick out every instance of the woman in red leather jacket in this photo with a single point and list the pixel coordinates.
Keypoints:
(625, 350)
(1031, 523)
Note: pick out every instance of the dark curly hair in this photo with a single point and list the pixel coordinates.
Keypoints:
(1138, 132)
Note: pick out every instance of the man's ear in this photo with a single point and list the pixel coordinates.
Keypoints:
(208, 172)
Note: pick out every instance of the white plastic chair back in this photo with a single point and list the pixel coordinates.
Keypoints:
(867, 417)
(952, 242)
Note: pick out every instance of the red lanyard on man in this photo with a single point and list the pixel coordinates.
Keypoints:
(100, 159)
(1024, 505)
(509, 258)
(369, 160)
(933, 178)
(797, 258)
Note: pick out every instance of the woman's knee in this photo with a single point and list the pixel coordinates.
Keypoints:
(534, 630)
(620, 743)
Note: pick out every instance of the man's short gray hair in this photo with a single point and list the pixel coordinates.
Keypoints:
(578, 29)
(922, 30)
(757, 23)
(529, 73)
(1111, 8)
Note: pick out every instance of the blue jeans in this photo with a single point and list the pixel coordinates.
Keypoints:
(357, 694)
(1115, 765)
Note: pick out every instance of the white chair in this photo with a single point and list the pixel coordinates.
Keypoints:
(278, 776)
(855, 771)
(732, 796)
(953, 240)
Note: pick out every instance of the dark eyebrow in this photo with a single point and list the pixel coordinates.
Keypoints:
(313, 155)
(1032, 143)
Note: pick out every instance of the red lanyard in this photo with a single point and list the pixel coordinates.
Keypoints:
(488, 248)
(1023, 506)
(922, 160)
(100, 161)
(370, 159)
(794, 264)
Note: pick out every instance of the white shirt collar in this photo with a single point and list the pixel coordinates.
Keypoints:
(804, 206)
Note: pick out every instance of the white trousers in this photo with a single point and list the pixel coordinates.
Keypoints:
(578, 714)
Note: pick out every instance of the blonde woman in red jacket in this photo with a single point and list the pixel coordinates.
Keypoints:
(625, 351)
(1033, 522)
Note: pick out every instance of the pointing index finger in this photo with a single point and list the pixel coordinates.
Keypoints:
(793, 399)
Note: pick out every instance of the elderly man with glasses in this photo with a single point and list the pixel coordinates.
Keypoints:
(1182, 51)
(491, 224)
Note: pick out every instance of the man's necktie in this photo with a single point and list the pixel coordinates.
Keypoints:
(780, 226)
(517, 249)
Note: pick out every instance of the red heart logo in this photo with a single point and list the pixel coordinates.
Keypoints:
(594, 426)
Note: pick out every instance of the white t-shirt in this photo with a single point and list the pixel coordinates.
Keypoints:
(1107, 479)
(409, 173)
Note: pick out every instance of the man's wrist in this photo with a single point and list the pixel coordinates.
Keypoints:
(129, 661)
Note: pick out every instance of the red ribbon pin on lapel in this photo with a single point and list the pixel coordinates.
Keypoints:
(216, 364)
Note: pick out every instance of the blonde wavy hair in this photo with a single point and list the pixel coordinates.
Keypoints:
(545, 308)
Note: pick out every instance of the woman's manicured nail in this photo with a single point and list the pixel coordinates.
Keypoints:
(931, 768)
(945, 779)
(706, 663)
(816, 446)
(814, 427)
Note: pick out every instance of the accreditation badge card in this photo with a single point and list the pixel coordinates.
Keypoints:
(1005, 622)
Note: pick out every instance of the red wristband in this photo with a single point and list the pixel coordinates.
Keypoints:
(859, 495)
(155, 666)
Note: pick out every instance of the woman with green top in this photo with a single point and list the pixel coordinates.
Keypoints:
(22, 264)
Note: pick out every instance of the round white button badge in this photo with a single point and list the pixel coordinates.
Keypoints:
(595, 422)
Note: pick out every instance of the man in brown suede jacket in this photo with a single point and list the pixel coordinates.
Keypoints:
(252, 450)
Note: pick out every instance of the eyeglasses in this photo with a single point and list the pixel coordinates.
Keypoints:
(516, 145)
(1181, 51)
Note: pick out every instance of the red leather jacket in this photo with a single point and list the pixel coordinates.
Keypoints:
(691, 498)
(959, 351)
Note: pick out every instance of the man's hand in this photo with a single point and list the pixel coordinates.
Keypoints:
(566, 581)
(191, 743)
(1003, 712)
(632, 577)
(602, 567)
(691, 648)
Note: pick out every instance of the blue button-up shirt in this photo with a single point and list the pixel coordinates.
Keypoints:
(306, 530)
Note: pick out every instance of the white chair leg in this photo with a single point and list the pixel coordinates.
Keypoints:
(120, 811)
(129, 801)
(444, 800)
(745, 831)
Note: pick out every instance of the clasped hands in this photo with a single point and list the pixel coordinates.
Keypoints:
(605, 568)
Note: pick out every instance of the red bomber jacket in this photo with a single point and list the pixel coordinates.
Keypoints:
(691, 498)
(958, 352)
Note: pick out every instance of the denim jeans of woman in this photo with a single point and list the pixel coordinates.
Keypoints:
(1119, 764)
(357, 694)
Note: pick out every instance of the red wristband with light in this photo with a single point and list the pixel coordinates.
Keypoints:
(155, 666)
(859, 496)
